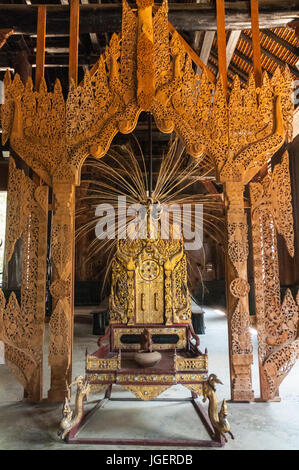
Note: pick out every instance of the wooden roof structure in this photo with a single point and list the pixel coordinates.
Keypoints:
(195, 20)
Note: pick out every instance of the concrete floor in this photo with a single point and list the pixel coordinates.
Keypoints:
(256, 426)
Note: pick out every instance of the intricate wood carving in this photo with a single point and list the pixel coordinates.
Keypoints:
(149, 278)
(144, 69)
(277, 324)
(238, 314)
(22, 326)
(218, 418)
(251, 128)
(61, 322)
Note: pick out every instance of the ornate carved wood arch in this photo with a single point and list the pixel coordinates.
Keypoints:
(142, 69)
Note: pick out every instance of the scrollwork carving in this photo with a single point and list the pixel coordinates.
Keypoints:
(22, 325)
(277, 324)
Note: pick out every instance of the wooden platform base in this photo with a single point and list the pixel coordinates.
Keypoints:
(216, 439)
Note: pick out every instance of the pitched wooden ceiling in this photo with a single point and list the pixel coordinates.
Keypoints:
(99, 18)
(279, 45)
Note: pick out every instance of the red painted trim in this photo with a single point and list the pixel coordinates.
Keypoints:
(147, 442)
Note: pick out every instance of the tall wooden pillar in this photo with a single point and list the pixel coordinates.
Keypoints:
(62, 290)
(237, 293)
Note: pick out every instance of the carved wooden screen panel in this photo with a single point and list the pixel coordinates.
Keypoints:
(149, 293)
(22, 326)
(277, 325)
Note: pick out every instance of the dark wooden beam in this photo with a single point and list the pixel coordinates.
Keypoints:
(256, 45)
(4, 35)
(51, 60)
(244, 57)
(242, 75)
(74, 41)
(40, 45)
(281, 41)
(248, 60)
(97, 18)
(221, 43)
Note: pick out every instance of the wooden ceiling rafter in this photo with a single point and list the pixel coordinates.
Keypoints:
(285, 44)
(270, 55)
(184, 16)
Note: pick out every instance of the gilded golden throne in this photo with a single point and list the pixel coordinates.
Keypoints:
(149, 293)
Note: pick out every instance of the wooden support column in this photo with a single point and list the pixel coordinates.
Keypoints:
(237, 289)
(62, 290)
(40, 45)
(257, 65)
(221, 43)
(74, 41)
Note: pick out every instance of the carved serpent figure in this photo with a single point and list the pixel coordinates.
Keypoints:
(219, 420)
(68, 421)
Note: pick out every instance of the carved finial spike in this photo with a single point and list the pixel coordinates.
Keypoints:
(72, 85)
(87, 77)
(18, 84)
(7, 78)
(43, 87)
(57, 86)
(29, 84)
(251, 81)
(265, 82)
(287, 75)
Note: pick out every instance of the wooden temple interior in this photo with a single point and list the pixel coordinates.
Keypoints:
(98, 94)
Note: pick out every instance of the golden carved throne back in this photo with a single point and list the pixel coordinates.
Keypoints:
(149, 289)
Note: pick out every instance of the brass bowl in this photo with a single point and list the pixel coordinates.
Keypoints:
(147, 359)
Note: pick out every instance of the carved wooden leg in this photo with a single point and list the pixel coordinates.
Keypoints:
(62, 291)
(237, 294)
